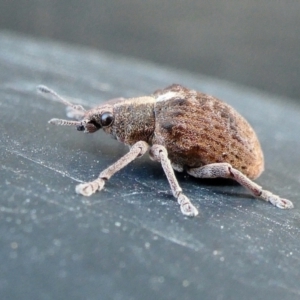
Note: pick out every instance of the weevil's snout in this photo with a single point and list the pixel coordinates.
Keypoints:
(90, 127)
(88, 121)
(84, 125)
(96, 119)
(80, 128)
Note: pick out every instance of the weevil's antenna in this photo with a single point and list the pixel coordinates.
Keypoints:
(45, 90)
(65, 122)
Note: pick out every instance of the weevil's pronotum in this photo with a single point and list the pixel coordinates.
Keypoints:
(185, 131)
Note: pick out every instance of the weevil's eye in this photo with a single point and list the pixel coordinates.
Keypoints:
(106, 119)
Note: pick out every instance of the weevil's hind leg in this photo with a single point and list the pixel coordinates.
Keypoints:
(89, 188)
(159, 153)
(225, 170)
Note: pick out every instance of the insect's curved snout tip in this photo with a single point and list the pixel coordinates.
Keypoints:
(80, 128)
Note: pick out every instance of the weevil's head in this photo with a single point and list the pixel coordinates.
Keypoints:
(88, 121)
(100, 117)
(127, 120)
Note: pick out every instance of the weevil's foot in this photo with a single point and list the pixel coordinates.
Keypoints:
(186, 207)
(189, 210)
(89, 188)
(86, 189)
(277, 201)
(283, 203)
(287, 204)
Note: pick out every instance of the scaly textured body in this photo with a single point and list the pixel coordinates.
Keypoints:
(185, 130)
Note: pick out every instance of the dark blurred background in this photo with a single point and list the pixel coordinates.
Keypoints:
(255, 43)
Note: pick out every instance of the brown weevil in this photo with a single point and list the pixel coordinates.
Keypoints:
(185, 131)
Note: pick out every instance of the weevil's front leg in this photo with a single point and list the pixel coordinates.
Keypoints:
(89, 188)
(225, 170)
(159, 153)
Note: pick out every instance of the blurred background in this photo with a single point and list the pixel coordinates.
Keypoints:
(255, 43)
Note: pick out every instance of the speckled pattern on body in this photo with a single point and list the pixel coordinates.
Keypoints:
(198, 129)
(183, 130)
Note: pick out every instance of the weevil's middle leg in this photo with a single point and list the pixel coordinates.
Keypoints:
(89, 188)
(159, 153)
(225, 170)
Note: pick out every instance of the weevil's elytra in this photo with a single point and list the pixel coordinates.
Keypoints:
(198, 130)
(185, 131)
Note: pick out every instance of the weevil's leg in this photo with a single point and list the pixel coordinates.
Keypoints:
(89, 188)
(159, 153)
(225, 170)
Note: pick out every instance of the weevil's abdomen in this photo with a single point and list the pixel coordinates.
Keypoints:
(198, 129)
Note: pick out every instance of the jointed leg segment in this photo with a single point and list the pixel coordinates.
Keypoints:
(159, 153)
(225, 170)
(89, 188)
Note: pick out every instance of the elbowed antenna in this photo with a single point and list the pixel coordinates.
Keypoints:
(65, 122)
(45, 90)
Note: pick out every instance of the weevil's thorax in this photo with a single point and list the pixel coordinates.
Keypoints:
(134, 120)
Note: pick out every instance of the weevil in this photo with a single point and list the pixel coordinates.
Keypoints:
(184, 130)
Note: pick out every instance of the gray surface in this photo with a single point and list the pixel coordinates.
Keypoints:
(131, 241)
(255, 43)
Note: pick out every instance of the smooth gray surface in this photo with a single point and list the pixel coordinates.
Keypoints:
(130, 241)
(255, 43)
